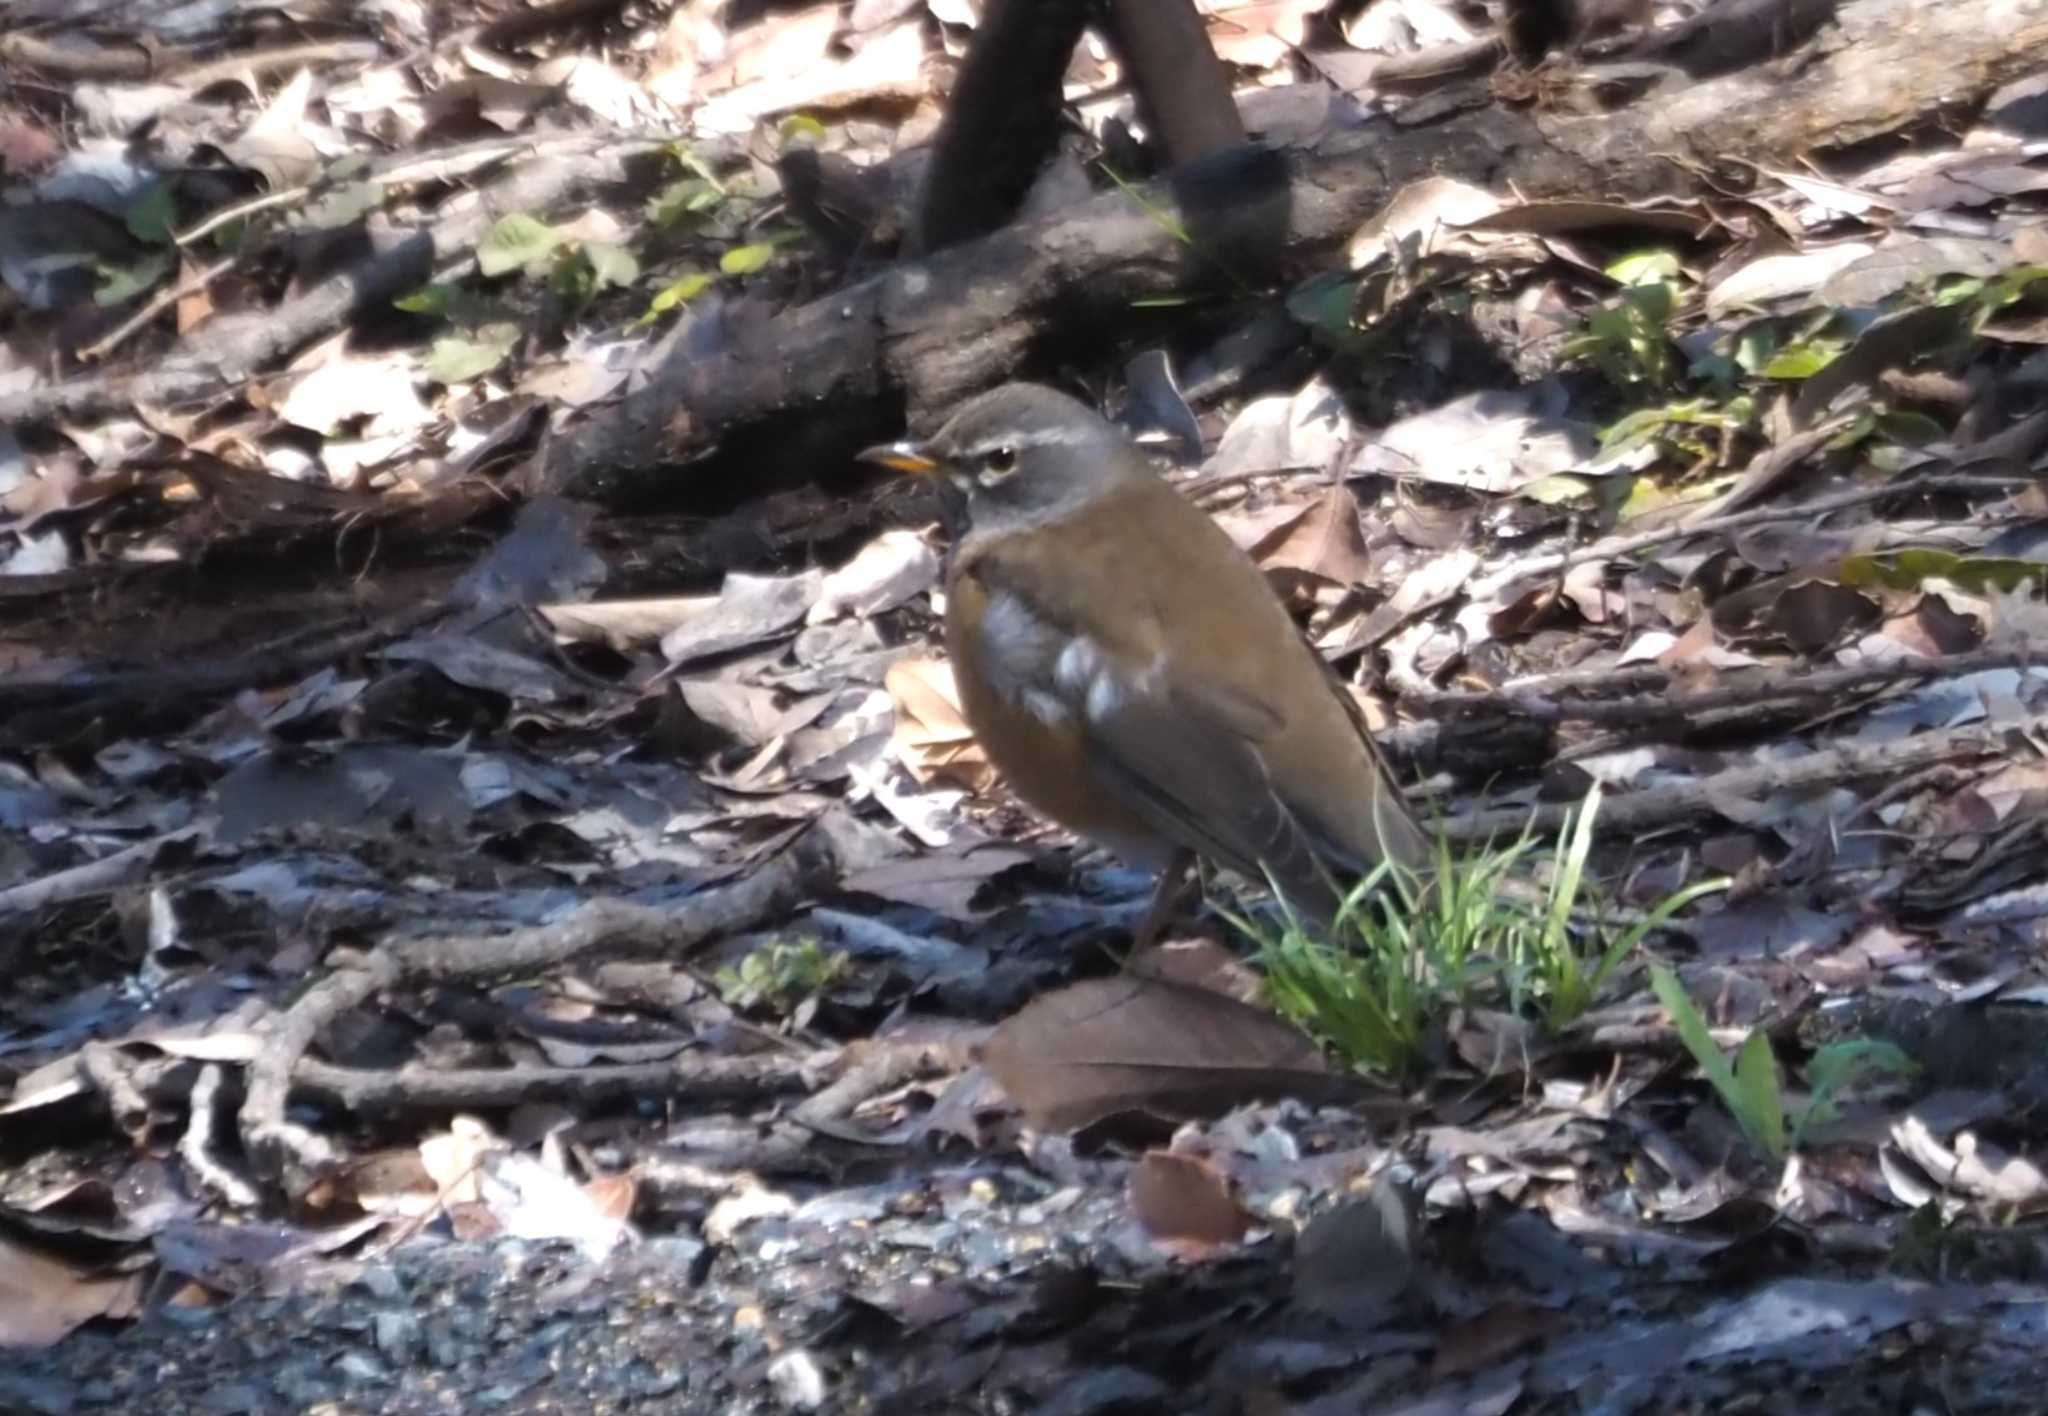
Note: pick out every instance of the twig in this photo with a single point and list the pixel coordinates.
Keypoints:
(1667, 806)
(364, 1091)
(235, 211)
(95, 877)
(151, 308)
(196, 1145)
(108, 1072)
(802, 1142)
(611, 927)
(1767, 688)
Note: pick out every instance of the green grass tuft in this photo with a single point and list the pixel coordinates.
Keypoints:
(1404, 951)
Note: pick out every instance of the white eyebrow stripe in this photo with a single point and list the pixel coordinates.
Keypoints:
(1037, 437)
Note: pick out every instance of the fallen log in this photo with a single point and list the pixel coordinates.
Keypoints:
(921, 334)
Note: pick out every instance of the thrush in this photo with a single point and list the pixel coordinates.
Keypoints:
(1129, 670)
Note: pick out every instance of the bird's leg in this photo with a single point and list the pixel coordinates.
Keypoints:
(1169, 899)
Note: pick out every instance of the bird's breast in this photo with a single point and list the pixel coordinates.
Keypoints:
(1029, 688)
(1058, 673)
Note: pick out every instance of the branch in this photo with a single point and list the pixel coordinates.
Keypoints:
(613, 928)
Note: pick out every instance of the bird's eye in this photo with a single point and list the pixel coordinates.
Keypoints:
(1000, 461)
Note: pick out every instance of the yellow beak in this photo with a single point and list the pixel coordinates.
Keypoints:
(901, 457)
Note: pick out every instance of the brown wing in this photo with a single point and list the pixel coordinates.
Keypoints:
(1223, 728)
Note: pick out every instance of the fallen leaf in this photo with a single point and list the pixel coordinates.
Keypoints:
(1186, 1205)
(882, 575)
(1144, 1044)
(42, 1299)
(1326, 542)
(932, 738)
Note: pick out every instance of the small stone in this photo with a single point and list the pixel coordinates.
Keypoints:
(797, 1380)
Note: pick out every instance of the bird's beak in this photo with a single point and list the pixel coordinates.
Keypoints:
(902, 457)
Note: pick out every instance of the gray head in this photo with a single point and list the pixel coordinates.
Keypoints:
(1018, 456)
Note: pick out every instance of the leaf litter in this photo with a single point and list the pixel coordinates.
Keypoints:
(592, 915)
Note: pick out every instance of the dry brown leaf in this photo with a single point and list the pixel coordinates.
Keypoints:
(1251, 529)
(931, 737)
(1199, 963)
(451, 1158)
(882, 575)
(386, 1182)
(42, 1299)
(1325, 542)
(798, 69)
(774, 48)
(1808, 614)
(1259, 34)
(944, 881)
(1426, 216)
(194, 307)
(1144, 1044)
(1186, 1205)
(612, 1196)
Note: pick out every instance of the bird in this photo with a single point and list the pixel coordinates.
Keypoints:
(1129, 670)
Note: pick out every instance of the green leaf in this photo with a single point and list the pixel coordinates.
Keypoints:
(1911, 567)
(680, 291)
(1648, 494)
(517, 242)
(1654, 302)
(693, 163)
(152, 215)
(1635, 429)
(745, 260)
(1839, 1064)
(1644, 268)
(1910, 427)
(340, 206)
(1692, 1030)
(1803, 360)
(800, 127)
(1756, 346)
(457, 359)
(1323, 303)
(1762, 1107)
(122, 283)
(613, 265)
(683, 289)
(572, 278)
(1749, 1089)
(1862, 423)
(1560, 489)
(435, 299)
(682, 199)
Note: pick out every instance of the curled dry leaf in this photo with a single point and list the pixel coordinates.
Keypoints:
(1325, 542)
(932, 738)
(882, 575)
(42, 1299)
(1123, 1044)
(1426, 217)
(1200, 963)
(1260, 34)
(1186, 1205)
